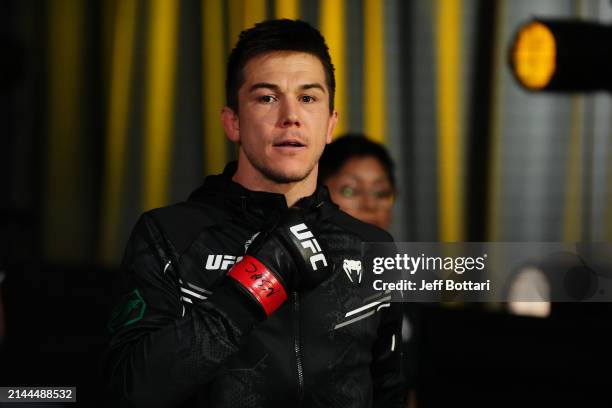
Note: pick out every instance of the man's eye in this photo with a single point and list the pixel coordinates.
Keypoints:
(307, 99)
(267, 99)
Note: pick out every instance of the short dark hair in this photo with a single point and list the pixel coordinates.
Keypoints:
(276, 35)
(351, 145)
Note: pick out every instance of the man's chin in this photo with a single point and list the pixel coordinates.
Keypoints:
(286, 176)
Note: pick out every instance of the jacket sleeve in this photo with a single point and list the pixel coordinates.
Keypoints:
(387, 373)
(159, 353)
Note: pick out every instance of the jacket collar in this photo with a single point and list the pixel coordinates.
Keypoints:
(255, 205)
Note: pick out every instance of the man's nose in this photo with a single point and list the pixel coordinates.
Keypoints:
(289, 114)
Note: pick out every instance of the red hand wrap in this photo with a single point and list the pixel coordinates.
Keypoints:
(260, 282)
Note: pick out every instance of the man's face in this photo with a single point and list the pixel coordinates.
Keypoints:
(284, 120)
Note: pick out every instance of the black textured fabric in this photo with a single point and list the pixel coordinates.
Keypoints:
(180, 339)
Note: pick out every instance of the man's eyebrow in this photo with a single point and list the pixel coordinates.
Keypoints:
(264, 85)
(313, 86)
(276, 88)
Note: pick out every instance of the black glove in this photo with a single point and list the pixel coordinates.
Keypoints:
(283, 258)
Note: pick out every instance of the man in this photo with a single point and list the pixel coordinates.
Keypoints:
(291, 321)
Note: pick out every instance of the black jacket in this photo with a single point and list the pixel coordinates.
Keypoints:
(175, 343)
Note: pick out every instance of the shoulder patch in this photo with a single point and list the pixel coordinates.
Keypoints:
(129, 311)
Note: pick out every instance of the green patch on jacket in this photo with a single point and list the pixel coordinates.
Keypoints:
(129, 311)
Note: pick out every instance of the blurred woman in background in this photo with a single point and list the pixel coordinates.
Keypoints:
(359, 175)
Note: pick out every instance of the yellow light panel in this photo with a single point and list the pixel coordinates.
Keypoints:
(534, 55)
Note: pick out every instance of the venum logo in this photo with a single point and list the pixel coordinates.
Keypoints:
(222, 262)
(352, 267)
(308, 241)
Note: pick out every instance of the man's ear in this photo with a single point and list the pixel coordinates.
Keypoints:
(230, 123)
(333, 121)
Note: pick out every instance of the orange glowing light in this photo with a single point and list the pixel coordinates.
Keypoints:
(534, 55)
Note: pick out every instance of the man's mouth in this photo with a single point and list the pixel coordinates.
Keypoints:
(289, 143)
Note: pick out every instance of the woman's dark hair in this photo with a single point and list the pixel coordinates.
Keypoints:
(276, 35)
(337, 153)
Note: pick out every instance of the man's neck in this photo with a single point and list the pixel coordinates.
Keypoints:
(255, 181)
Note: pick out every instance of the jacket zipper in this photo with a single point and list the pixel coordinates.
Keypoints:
(298, 349)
